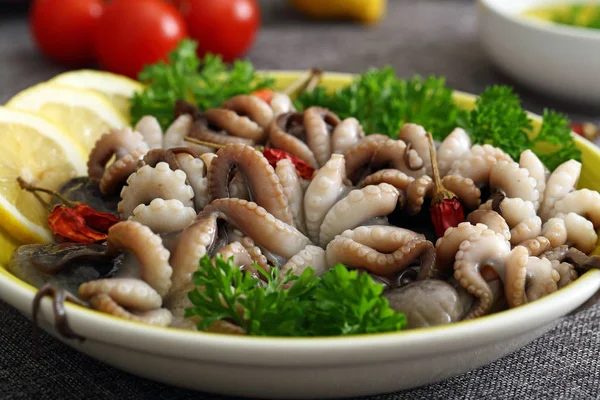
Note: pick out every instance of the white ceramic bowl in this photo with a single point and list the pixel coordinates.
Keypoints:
(558, 60)
(318, 368)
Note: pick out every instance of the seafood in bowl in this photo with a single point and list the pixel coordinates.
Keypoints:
(292, 202)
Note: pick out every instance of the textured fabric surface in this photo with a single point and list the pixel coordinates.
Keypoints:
(424, 37)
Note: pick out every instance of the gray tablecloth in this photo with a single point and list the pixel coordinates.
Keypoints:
(424, 37)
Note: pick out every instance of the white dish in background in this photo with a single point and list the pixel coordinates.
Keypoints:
(558, 60)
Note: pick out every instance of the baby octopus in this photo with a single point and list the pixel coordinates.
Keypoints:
(180, 202)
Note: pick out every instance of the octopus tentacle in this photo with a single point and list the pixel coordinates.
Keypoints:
(566, 271)
(164, 216)
(527, 229)
(263, 183)
(191, 245)
(280, 138)
(447, 246)
(394, 177)
(536, 246)
(521, 217)
(492, 220)
(571, 229)
(234, 124)
(397, 154)
(281, 104)
(584, 202)
(359, 156)
(530, 161)
(149, 183)
(117, 173)
(488, 249)
(562, 181)
(416, 135)
(177, 131)
(267, 231)
(360, 205)
(346, 134)
(239, 253)
(151, 131)
(103, 302)
(382, 250)
(155, 156)
(118, 143)
(477, 163)
(464, 188)
(256, 109)
(201, 130)
(196, 173)
(454, 146)
(148, 249)
(514, 181)
(292, 188)
(127, 292)
(528, 278)
(311, 256)
(317, 122)
(416, 193)
(323, 192)
(254, 252)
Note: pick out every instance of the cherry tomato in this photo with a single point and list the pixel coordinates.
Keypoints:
(133, 33)
(225, 27)
(64, 29)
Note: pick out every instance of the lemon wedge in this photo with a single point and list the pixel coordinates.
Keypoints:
(85, 114)
(41, 153)
(117, 88)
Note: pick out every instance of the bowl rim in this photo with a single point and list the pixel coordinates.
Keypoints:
(174, 342)
(548, 27)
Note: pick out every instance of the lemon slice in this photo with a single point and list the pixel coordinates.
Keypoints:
(117, 88)
(41, 153)
(85, 114)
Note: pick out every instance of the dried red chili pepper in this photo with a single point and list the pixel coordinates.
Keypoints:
(446, 210)
(67, 225)
(264, 94)
(80, 224)
(305, 170)
(100, 221)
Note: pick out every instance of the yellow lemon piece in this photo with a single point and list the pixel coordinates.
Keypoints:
(42, 154)
(117, 88)
(85, 114)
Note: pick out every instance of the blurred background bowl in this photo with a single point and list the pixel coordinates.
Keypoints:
(557, 60)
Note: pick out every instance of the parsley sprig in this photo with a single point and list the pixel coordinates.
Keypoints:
(340, 302)
(498, 119)
(206, 82)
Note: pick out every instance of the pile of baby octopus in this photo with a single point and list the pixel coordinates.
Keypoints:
(181, 201)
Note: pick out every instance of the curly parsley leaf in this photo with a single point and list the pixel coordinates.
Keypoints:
(340, 302)
(498, 119)
(383, 103)
(206, 82)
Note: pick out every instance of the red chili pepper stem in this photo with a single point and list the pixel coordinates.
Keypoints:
(307, 82)
(440, 192)
(446, 209)
(34, 189)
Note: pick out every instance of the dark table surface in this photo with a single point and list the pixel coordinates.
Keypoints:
(417, 37)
